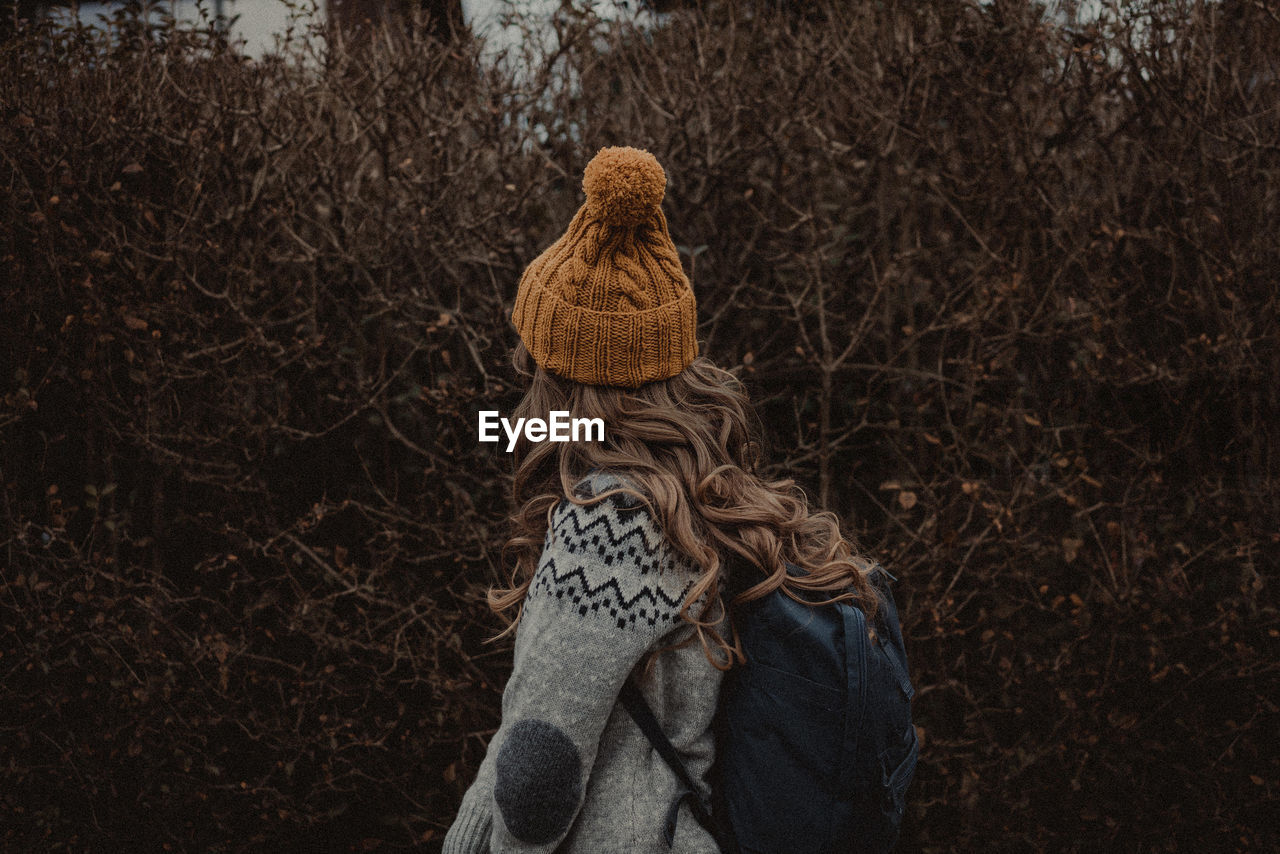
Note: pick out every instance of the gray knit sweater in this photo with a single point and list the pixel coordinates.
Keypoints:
(568, 769)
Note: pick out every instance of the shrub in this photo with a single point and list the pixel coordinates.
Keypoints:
(1004, 291)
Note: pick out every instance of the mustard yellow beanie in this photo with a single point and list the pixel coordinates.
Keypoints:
(608, 303)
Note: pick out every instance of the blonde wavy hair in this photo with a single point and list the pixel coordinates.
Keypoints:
(688, 444)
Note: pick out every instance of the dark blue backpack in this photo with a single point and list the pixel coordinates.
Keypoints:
(815, 746)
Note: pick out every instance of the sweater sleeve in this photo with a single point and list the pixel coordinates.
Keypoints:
(607, 587)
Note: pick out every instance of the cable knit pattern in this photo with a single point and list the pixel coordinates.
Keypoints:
(568, 770)
(609, 303)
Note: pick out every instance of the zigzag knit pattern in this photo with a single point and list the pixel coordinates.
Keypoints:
(608, 560)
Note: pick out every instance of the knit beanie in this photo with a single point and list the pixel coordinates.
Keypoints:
(608, 303)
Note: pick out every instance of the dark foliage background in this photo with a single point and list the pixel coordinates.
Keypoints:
(1003, 291)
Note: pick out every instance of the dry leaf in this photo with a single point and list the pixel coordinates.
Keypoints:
(1122, 720)
(907, 499)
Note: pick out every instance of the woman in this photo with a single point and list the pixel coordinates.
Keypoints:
(626, 550)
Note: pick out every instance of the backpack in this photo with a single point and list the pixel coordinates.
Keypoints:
(815, 746)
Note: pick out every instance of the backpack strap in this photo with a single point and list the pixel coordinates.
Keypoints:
(635, 703)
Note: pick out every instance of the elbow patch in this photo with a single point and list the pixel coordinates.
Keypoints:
(539, 781)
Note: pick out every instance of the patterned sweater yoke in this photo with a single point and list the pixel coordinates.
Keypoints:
(568, 770)
(633, 554)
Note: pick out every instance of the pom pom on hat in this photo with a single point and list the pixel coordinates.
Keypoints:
(624, 185)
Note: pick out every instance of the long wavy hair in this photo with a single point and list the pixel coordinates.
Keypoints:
(689, 445)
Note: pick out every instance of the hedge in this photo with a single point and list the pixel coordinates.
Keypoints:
(1003, 288)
